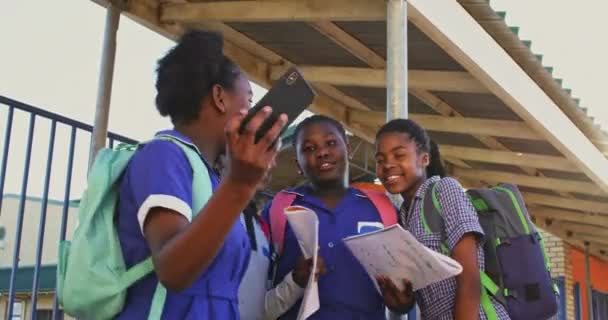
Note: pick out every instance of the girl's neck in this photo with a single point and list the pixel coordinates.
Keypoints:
(330, 194)
(409, 194)
(203, 140)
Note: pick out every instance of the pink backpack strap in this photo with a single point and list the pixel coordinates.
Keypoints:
(278, 220)
(388, 213)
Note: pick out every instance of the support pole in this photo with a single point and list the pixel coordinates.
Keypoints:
(396, 73)
(588, 283)
(396, 64)
(104, 90)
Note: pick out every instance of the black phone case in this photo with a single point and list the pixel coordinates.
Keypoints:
(290, 94)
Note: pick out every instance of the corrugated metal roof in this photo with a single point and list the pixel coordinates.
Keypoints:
(507, 36)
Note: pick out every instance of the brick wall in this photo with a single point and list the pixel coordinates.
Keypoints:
(561, 266)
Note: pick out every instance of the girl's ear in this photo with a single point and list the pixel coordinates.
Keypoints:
(218, 98)
(426, 159)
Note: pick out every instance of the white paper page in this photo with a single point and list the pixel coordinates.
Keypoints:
(395, 253)
(305, 225)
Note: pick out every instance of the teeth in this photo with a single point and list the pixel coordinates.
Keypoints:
(324, 166)
(391, 178)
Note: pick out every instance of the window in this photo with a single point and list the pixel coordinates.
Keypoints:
(577, 301)
(44, 314)
(561, 299)
(17, 310)
(47, 314)
(600, 305)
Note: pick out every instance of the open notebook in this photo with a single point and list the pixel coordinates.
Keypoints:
(395, 253)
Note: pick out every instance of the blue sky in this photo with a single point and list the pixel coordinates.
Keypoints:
(50, 56)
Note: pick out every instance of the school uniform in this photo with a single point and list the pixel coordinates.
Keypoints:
(159, 175)
(437, 301)
(346, 291)
(258, 300)
(255, 282)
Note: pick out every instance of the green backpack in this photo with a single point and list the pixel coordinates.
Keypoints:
(92, 278)
(517, 272)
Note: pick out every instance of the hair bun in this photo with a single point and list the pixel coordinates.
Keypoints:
(208, 45)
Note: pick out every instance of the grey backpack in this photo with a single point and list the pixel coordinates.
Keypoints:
(517, 269)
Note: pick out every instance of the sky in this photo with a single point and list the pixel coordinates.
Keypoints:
(571, 36)
(50, 57)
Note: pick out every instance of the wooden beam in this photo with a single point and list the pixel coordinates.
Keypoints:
(569, 215)
(272, 58)
(340, 96)
(344, 76)
(602, 145)
(599, 241)
(370, 57)
(435, 103)
(457, 162)
(529, 181)
(450, 81)
(275, 11)
(445, 109)
(242, 41)
(367, 55)
(455, 31)
(595, 249)
(349, 43)
(257, 68)
(509, 158)
(561, 202)
(498, 128)
(583, 228)
(257, 60)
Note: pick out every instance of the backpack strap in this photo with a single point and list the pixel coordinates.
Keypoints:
(201, 192)
(486, 303)
(432, 220)
(384, 206)
(278, 220)
(432, 216)
(265, 228)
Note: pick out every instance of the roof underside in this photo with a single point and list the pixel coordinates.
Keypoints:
(482, 139)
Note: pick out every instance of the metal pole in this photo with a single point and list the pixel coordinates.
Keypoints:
(20, 213)
(588, 283)
(396, 64)
(7, 143)
(42, 223)
(104, 91)
(57, 314)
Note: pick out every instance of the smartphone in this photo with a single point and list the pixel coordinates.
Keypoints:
(290, 94)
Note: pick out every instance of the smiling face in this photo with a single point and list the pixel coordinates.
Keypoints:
(322, 154)
(400, 166)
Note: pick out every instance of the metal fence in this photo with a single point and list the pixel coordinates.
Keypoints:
(76, 128)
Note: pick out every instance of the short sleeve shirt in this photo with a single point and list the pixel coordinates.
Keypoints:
(346, 291)
(437, 300)
(159, 175)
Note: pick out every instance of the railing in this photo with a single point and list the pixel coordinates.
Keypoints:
(56, 121)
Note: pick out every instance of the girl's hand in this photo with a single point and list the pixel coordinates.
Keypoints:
(396, 300)
(249, 162)
(303, 268)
